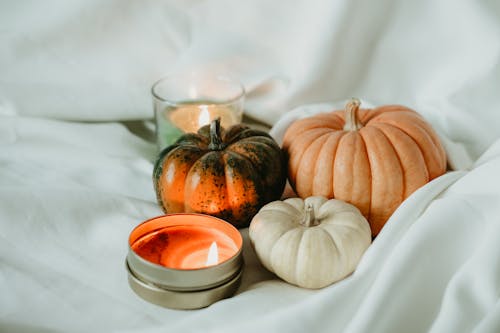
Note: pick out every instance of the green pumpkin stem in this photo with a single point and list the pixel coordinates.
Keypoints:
(351, 115)
(215, 135)
(309, 219)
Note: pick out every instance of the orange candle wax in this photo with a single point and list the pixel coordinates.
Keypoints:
(185, 241)
(184, 261)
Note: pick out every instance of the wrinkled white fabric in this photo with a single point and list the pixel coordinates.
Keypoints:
(76, 162)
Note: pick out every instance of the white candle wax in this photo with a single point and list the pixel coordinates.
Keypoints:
(189, 117)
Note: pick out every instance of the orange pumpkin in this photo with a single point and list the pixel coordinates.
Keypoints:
(229, 174)
(371, 158)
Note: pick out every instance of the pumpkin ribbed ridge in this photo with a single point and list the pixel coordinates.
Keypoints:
(415, 171)
(352, 173)
(386, 178)
(323, 182)
(307, 162)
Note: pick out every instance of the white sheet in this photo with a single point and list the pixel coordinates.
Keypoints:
(74, 180)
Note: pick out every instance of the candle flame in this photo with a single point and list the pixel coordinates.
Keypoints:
(204, 117)
(213, 255)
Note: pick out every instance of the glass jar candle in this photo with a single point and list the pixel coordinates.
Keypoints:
(185, 102)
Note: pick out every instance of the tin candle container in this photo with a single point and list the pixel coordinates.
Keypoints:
(184, 261)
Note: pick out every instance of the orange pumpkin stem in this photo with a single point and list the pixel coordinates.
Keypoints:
(215, 136)
(309, 219)
(351, 115)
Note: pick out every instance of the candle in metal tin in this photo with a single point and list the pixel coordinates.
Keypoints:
(184, 261)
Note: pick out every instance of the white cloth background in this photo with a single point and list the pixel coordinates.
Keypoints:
(75, 168)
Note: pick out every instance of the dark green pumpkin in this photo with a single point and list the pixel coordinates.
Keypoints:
(229, 173)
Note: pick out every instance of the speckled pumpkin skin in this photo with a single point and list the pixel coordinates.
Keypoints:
(231, 180)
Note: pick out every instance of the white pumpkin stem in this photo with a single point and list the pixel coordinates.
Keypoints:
(309, 219)
(351, 115)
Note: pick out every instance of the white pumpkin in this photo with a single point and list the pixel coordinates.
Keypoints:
(310, 243)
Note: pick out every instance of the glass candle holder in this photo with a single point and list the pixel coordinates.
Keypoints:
(185, 102)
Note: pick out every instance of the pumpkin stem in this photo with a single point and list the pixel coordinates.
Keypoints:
(215, 137)
(309, 219)
(351, 115)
